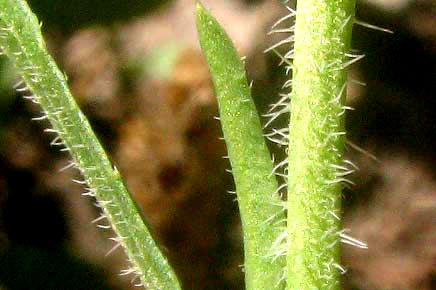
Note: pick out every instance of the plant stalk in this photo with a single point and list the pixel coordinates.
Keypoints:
(322, 39)
(22, 42)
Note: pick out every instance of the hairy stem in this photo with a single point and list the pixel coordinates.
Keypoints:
(252, 167)
(322, 39)
(21, 41)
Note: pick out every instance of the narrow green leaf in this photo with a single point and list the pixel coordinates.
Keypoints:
(252, 166)
(21, 41)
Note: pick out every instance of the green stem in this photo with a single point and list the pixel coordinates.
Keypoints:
(259, 204)
(322, 38)
(21, 41)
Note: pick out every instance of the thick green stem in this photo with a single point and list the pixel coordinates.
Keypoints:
(21, 41)
(252, 167)
(322, 38)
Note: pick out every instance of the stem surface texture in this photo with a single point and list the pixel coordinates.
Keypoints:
(22, 42)
(316, 142)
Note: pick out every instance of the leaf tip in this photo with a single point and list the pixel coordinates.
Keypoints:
(199, 8)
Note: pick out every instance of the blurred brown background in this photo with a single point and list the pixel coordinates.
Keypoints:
(136, 70)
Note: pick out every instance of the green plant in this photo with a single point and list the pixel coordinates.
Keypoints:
(21, 41)
(300, 251)
(316, 141)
